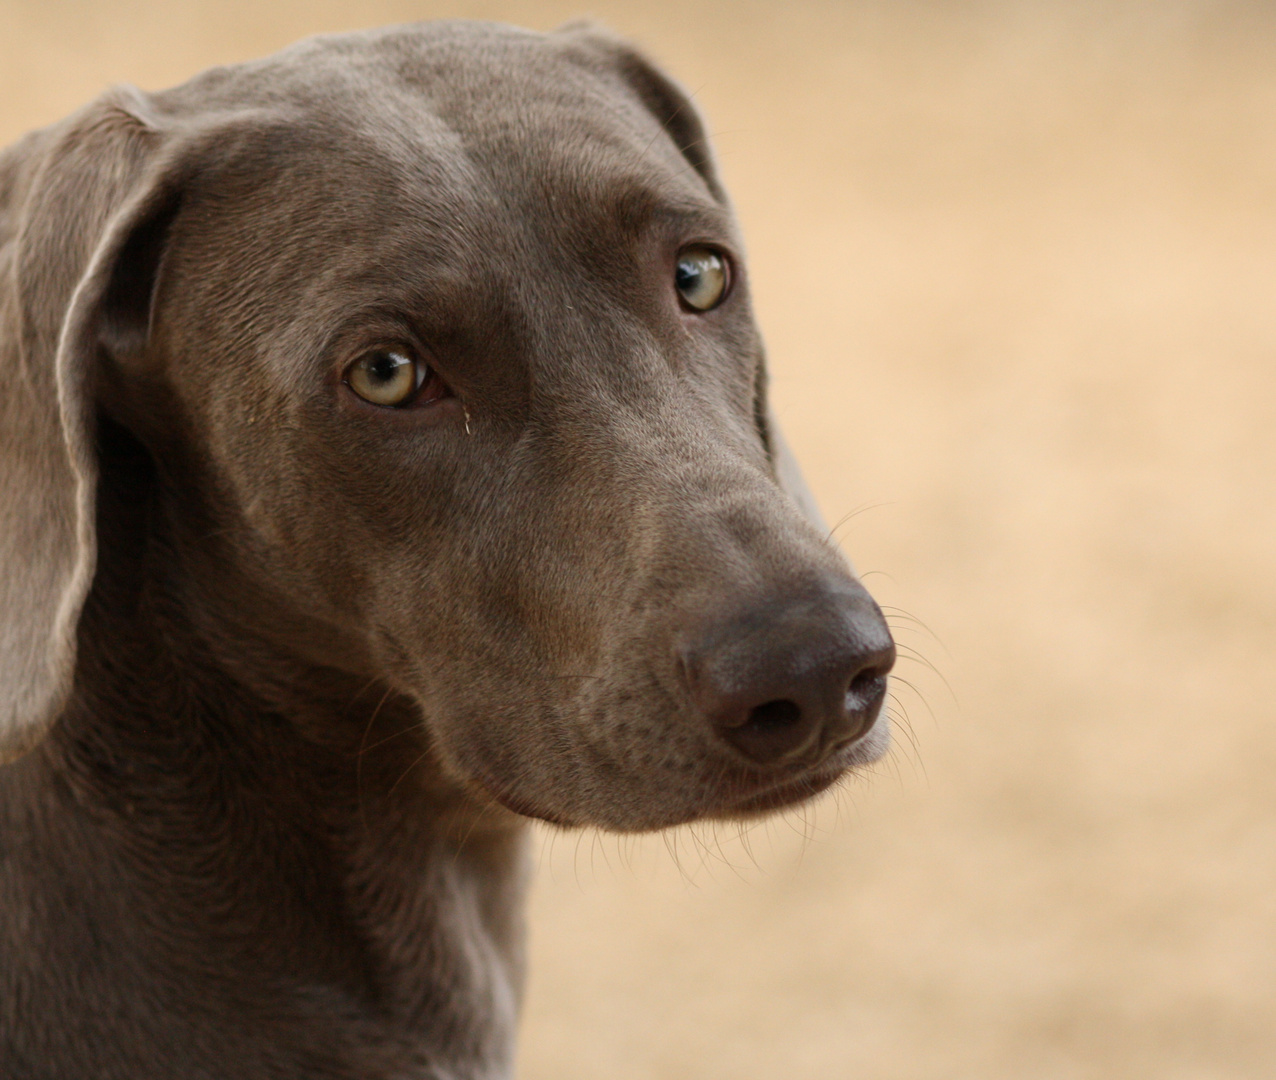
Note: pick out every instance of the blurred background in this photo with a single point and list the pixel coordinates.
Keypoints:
(1016, 265)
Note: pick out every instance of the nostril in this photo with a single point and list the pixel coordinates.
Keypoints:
(774, 716)
(789, 678)
(769, 732)
(866, 683)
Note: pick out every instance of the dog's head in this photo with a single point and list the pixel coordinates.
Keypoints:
(440, 341)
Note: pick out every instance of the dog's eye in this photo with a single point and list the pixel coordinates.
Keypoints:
(386, 377)
(701, 278)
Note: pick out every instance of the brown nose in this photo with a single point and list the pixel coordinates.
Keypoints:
(792, 677)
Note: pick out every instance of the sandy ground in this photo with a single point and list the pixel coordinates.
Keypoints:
(1016, 264)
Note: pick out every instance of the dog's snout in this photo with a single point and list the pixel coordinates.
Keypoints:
(792, 678)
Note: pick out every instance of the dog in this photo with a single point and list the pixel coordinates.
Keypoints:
(385, 461)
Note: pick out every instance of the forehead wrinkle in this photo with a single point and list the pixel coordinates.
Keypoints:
(459, 205)
(410, 232)
(425, 291)
(639, 206)
(589, 132)
(602, 160)
(608, 171)
(585, 193)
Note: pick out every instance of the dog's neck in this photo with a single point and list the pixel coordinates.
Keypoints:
(311, 885)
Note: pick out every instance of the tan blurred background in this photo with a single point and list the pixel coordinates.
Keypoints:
(1016, 264)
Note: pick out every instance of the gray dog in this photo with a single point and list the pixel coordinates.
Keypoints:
(384, 461)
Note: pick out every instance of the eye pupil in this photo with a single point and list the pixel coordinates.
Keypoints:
(385, 367)
(700, 277)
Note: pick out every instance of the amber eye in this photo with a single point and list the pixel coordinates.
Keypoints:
(700, 278)
(386, 377)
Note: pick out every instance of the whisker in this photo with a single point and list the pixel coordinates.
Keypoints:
(358, 761)
(406, 771)
(864, 509)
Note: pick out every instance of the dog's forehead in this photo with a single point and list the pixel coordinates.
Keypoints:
(394, 188)
(526, 111)
(450, 161)
(453, 138)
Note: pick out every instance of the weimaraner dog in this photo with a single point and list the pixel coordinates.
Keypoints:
(384, 462)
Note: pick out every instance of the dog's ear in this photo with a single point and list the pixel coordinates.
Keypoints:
(662, 97)
(78, 206)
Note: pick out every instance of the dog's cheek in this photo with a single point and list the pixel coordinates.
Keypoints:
(607, 747)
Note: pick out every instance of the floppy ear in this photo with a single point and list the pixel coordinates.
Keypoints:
(71, 199)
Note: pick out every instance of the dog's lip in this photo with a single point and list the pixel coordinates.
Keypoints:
(750, 793)
(787, 792)
(742, 793)
(515, 804)
(745, 788)
(746, 794)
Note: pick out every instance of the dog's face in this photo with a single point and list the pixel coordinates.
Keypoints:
(449, 333)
